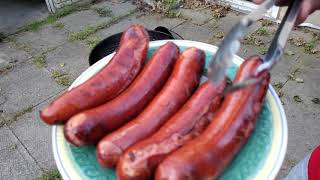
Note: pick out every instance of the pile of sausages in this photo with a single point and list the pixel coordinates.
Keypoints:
(154, 120)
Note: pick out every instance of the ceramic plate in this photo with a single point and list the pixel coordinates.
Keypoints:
(260, 158)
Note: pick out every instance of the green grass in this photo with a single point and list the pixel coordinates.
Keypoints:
(291, 162)
(169, 4)
(58, 25)
(20, 45)
(13, 147)
(36, 25)
(262, 31)
(309, 46)
(89, 30)
(297, 99)
(219, 35)
(23, 111)
(92, 41)
(316, 35)
(104, 11)
(265, 22)
(169, 8)
(249, 39)
(61, 78)
(172, 14)
(278, 86)
(50, 175)
(293, 74)
(2, 36)
(298, 41)
(219, 11)
(289, 52)
(56, 74)
(40, 60)
(263, 50)
(6, 68)
(83, 34)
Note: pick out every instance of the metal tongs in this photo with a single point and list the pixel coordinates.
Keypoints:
(231, 44)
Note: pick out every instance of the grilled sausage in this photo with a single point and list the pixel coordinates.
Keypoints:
(107, 83)
(179, 87)
(140, 160)
(206, 156)
(92, 125)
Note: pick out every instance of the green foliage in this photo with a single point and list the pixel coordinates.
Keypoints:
(61, 78)
(89, 30)
(262, 31)
(50, 175)
(104, 11)
(58, 25)
(40, 60)
(36, 25)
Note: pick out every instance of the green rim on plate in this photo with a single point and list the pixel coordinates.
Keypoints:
(260, 158)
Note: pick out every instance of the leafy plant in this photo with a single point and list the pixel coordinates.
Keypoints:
(262, 31)
(103, 11)
(40, 60)
(50, 175)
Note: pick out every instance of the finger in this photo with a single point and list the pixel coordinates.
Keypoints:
(277, 2)
(305, 9)
(258, 1)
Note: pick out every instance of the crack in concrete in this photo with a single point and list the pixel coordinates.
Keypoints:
(7, 119)
(33, 158)
(179, 24)
(288, 79)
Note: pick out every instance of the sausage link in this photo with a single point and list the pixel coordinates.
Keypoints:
(206, 156)
(179, 87)
(140, 160)
(92, 125)
(106, 84)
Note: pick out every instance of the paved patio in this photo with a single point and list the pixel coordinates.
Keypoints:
(38, 62)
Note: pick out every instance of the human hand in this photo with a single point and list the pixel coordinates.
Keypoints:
(307, 7)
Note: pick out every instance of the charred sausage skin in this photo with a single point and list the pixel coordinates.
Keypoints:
(179, 87)
(107, 83)
(140, 160)
(206, 156)
(92, 125)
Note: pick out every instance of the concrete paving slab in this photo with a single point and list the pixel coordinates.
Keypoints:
(35, 135)
(190, 31)
(224, 24)
(118, 8)
(15, 161)
(10, 54)
(197, 17)
(71, 58)
(24, 86)
(150, 21)
(44, 39)
(16, 13)
(303, 117)
(78, 21)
